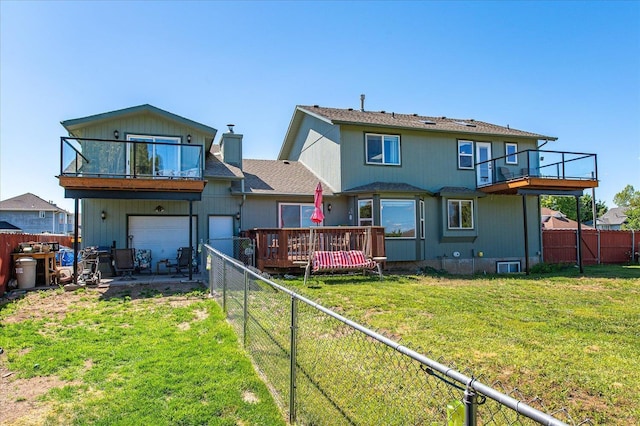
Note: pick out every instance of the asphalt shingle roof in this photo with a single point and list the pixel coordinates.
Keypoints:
(415, 121)
(614, 216)
(28, 202)
(215, 168)
(275, 177)
(387, 187)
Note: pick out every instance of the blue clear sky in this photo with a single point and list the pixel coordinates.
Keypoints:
(566, 69)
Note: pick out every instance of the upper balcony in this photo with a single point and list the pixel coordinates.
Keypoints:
(102, 168)
(551, 172)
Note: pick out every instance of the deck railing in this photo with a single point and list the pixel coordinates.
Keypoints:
(284, 248)
(83, 157)
(537, 164)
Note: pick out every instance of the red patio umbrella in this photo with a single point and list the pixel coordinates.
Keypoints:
(317, 217)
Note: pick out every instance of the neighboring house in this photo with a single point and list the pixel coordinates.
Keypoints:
(551, 219)
(33, 215)
(613, 219)
(450, 193)
(7, 228)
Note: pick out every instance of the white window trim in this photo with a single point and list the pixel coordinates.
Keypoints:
(300, 205)
(460, 201)
(506, 149)
(460, 155)
(415, 228)
(383, 163)
(508, 264)
(360, 219)
(42, 214)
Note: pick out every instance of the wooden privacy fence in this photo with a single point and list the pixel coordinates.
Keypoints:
(10, 242)
(598, 246)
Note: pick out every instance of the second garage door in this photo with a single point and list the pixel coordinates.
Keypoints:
(164, 235)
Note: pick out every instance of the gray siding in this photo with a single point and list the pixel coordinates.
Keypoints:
(216, 200)
(317, 145)
(427, 161)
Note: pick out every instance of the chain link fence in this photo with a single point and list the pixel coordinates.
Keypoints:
(324, 369)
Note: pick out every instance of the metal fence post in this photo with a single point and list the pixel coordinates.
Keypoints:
(470, 407)
(292, 358)
(224, 287)
(246, 308)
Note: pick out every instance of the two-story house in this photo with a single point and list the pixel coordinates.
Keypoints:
(452, 194)
(33, 215)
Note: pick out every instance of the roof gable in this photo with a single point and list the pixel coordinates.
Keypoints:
(77, 123)
(28, 202)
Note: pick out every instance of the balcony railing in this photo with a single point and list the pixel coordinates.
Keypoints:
(104, 158)
(552, 165)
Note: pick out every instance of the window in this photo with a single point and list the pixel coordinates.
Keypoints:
(365, 212)
(295, 215)
(465, 155)
(422, 232)
(382, 149)
(156, 158)
(508, 267)
(41, 214)
(511, 149)
(460, 214)
(398, 218)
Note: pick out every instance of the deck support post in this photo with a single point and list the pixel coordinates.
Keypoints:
(526, 233)
(579, 243)
(76, 203)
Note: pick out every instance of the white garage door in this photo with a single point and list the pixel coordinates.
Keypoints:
(164, 235)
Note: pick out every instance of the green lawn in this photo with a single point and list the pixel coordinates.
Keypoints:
(159, 357)
(572, 340)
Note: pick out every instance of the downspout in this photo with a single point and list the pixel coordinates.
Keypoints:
(240, 206)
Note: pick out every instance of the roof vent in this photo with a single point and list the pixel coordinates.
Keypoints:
(428, 122)
(316, 106)
(350, 109)
(285, 162)
(415, 115)
(230, 126)
(362, 102)
(464, 123)
(383, 112)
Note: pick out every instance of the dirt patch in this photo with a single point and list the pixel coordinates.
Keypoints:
(19, 396)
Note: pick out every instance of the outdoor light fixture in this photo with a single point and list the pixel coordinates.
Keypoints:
(116, 134)
(103, 215)
(159, 209)
(329, 207)
(188, 138)
(238, 216)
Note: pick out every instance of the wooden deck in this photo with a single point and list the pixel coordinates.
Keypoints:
(512, 185)
(280, 249)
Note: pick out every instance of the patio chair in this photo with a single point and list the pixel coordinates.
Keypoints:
(124, 262)
(506, 173)
(143, 260)
(182, 261)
